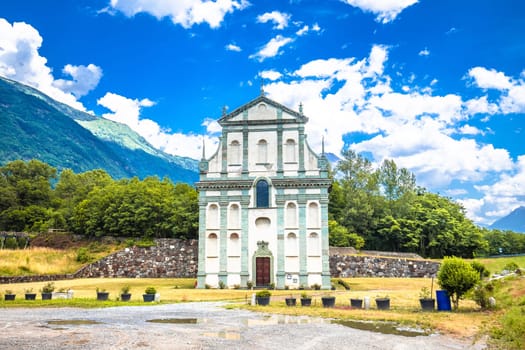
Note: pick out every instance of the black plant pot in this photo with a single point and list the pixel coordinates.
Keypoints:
(102, 296)
(306, 301)
(125, 296)
(427, 304)
(356, 303)
(30, 296)
(47, 296)
(328, 301)
(9, 296)
(290, 301)
(263, 301)
(383, 303)
(148, 297)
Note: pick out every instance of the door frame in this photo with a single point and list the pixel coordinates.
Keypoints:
(262, 252)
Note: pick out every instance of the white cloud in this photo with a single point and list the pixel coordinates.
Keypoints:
(186, 13)
(489, 79)
(424, 52)
(127, 111)
(429, 134)
(386, 10)
(272, 48)
(85, 79)
(279, 19)
(20, 60)
(302, 31)
(270, 75)
(233, 47)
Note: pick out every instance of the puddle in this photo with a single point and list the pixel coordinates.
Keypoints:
(175, 320)
(381, 327)
(283, 319)
(224, 335)
(72, 322)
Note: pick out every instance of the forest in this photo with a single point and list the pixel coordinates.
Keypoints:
(373, 209)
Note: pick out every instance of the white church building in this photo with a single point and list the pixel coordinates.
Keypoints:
(263, 202)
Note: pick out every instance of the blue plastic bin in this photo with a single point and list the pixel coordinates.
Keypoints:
(443, 300)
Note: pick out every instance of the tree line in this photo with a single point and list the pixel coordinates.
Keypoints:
(384, 209)
(374, 209)
(34, 198)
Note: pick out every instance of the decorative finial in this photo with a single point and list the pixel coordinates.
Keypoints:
(262, 87)
(203, 149)
(322, 146)
(224, 110)
(301, 108)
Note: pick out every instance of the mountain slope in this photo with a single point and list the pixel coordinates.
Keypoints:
(32, 125)
(515, 221)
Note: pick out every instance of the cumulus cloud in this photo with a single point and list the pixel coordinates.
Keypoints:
(233, 47)
(185, 13)
(279, 19)
(84, 79)
(430, 134)
(20, 60)
(424, 52)
(385, 10)
(128, 111)
(489, 78)
(270, 75)
(272, 48)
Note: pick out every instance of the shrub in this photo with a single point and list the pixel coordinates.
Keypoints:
(222, 285)
(265, 293)
(49, 287)
(480, 268)
(512, 266)
(150, 290)
(457, 277)
(482, 293)
(83, 255)
(125, 289)
(315, 286)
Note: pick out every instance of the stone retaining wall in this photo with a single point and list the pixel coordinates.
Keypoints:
(174, 258)
(371, 266)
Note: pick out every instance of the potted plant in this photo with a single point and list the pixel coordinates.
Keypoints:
(328, 301)
(356, 303)
(29, 295)
(125, 295)
(47, 291)
(290, 301)
(306, 300)
(249, 284)
(149, 294)
(426, 300)
(9, 295)
(102, 294)
(383, 302)
(263, 297)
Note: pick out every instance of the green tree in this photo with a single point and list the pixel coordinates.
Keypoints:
(340, 237)
(457, 277)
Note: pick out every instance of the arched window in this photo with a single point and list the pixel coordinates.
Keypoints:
(234, 245)
(211, 246)
(233, 219)
(262, 194)
(213, 216)
(313, 215)
(291, 244)
(289, 151)
(291, 215)
(313, 244)
(234, 156)
(262, 152)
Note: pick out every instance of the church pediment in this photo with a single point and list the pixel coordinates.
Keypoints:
(262, 110)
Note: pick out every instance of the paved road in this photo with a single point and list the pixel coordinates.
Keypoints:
(192, 326)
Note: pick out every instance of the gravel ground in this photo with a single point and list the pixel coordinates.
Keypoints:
(201, 326)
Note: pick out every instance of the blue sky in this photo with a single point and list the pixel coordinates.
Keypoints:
(438, 86)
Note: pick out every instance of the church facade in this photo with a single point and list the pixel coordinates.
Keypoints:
(263, 203)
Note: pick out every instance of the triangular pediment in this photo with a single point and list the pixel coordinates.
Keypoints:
(264, 110)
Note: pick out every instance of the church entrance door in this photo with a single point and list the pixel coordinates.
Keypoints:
(262, 273)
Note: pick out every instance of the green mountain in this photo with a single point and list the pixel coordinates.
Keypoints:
(515, 221)
(34, 126)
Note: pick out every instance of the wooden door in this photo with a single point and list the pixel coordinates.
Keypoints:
(262, 273)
